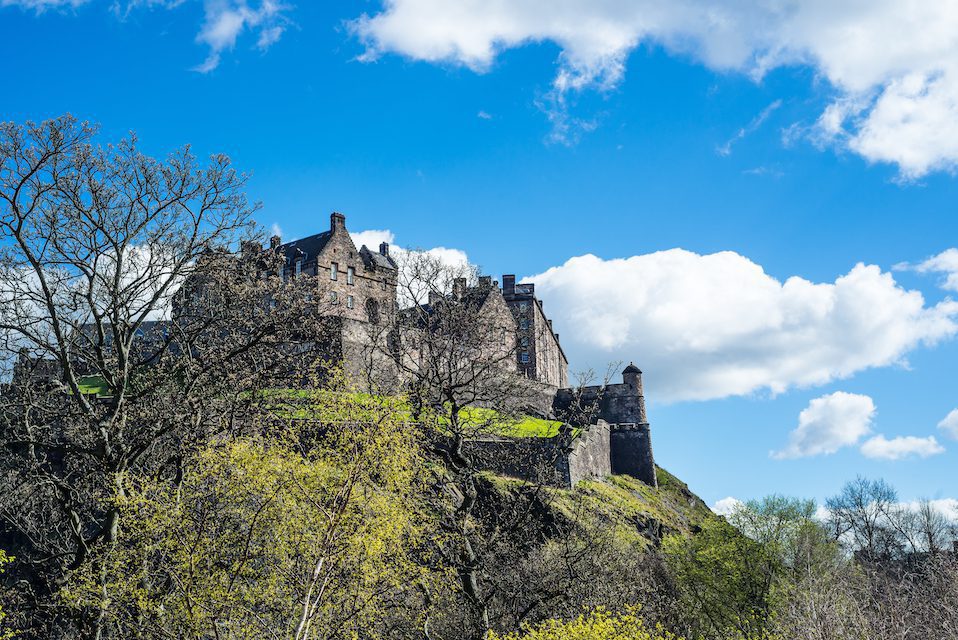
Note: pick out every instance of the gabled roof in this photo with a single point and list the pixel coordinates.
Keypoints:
(375, 259)
(306, 248)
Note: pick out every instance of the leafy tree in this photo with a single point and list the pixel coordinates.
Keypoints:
(597, 625)
(724, 579)
(288, 536)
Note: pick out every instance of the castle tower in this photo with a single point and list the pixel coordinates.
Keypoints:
(630, 439)
(632, 376)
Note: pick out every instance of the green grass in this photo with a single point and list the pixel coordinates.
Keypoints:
(525, 427)
(93, 385)
(629, 507)
(304, 403)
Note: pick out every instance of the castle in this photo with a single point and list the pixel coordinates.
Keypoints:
(360, 287)
(606, 431)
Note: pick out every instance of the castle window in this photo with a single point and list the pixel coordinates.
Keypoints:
(334, 271)
(350, 275)
(524, 342)
(524, 323)
(333, 297)
(372, 311)
(299, 266)
(349, 302)
(524, 358)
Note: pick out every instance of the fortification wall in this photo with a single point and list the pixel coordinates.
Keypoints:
(552, 461)
(631, 452)
(589, 455)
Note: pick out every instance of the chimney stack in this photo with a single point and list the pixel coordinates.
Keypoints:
(485, 282)
(274, 242)
(458, 288)
(509, 284)
(336, 221)
(384, 248)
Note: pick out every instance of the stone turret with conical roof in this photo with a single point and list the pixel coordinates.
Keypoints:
(623, 407)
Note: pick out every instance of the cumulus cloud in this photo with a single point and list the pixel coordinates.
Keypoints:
(828, 424)
(949, 424)
(712, 326)
(727, 506)
(945, 263)
(373, 237)
(892, 65)
(900, 447)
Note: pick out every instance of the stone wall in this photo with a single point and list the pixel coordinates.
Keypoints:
(552, 461)
(590, 454)
(622, 405)
(631, 452)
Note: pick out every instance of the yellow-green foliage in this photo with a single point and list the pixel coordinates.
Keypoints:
(597, 625)
(723, 578)
(4, 633)
(271, 539)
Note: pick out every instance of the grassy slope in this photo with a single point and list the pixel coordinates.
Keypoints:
(633, 509)
(484, 420)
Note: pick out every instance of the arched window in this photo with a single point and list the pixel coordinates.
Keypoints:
(372, 310)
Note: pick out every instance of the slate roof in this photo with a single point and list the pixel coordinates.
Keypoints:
(306, 248)
(376, 259)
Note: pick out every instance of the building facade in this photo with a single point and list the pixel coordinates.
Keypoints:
(539, 355)
(353, 284)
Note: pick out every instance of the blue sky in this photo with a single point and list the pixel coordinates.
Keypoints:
(652, 140)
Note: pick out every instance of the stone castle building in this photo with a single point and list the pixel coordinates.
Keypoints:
(539, 356)
(359, 284)
(356, 288)
(359, 287)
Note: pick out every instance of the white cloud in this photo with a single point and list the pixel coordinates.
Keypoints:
(828, 424)
(727, 506)
(945, 263)
(712, 326)
(224, 20)
(227, 19)
(42, 5)
(484, 115)
(900, 447)
(757, 121)
(949, 424)
(947, 507)
(455, 259)
(892, 64)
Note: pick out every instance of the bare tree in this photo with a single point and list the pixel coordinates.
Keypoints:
(861, 517)
(454, 347)
(108, 371)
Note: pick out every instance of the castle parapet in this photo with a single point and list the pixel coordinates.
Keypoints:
(622, 406)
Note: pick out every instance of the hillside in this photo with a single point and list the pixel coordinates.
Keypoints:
(633, 510)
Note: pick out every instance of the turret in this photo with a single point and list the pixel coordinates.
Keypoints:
(337, 221)
(632, 376)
